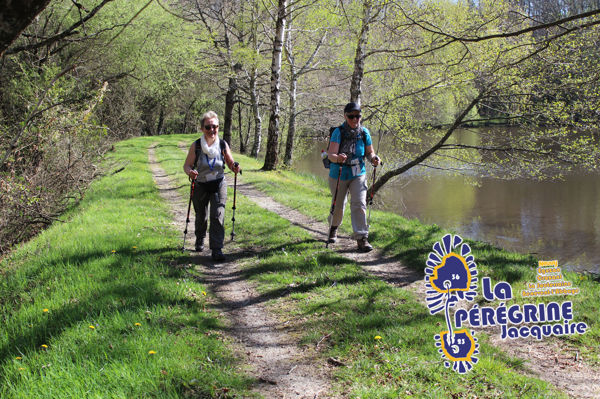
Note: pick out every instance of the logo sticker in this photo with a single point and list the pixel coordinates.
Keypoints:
(451, 276)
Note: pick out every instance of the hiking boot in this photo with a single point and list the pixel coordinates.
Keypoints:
(199, 246)
(363, 245)
(217, 255)
(332, 234)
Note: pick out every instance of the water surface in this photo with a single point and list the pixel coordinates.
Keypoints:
(552, 219)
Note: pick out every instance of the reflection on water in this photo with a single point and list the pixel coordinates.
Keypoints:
(554, 220)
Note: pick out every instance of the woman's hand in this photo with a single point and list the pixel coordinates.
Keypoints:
(375, 161)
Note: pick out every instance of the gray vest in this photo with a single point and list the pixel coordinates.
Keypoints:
(209, 169)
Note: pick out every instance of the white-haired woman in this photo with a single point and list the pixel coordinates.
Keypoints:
(205, 163)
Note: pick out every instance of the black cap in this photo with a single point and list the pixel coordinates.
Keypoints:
(351, 107)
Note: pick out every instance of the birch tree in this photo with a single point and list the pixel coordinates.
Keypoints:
(271, 155)
(298, 69)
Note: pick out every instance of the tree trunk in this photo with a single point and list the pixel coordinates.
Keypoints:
(271, 154)
(229, 104)
(161, 121)
(187, 115)
(359, 57)
(15, 17)
(247, 138)
(289, 145)
(242, 141)
(254, 98)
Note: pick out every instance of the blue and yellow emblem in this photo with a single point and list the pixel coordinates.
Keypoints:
(459, 349)
(450, 276)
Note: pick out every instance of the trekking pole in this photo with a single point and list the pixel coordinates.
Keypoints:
(333, 201)
(187, 219)
(371, 194)
(234, 193)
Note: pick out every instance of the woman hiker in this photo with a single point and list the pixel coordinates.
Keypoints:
(205, 163)
(349, 144)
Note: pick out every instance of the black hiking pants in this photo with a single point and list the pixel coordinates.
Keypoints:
(205, 196)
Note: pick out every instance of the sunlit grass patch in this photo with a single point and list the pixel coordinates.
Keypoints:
(98, 306)
(338, 309)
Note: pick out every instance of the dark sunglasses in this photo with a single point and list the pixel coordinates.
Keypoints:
(210, 127)
(354, 116)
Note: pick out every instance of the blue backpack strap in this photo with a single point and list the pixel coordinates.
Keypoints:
(364, 137)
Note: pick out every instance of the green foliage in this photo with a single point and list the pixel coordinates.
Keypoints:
(424, 62)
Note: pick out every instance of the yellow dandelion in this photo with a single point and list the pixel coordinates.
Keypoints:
(92, 327)
(377, 337)
(21, 368)
(204, 293)
(138, 324)
(45, 310)
(44, 346)
(113, 251)
(18, 358)
(152, 352)
(134, 247)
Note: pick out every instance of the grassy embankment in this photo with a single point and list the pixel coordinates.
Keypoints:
(334, 302)
(97, 308)
(71, 306)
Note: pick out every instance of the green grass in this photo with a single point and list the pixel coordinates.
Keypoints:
(331, 301)
(411, 241)
(85, 303)
(70, 270)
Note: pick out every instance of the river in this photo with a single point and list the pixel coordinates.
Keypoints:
(551, 219)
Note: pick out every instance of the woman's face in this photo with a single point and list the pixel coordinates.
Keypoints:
(210, 128)
(353, 119)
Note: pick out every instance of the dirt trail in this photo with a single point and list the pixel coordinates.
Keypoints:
(550, 360)
(284, 369)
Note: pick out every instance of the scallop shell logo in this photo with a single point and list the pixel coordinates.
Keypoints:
(451, 276)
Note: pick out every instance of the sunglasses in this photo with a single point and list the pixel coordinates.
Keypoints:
(354, 116)
(210, 127)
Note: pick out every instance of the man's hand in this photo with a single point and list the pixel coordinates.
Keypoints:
(193, 174)
(341, 158)
(236, 168)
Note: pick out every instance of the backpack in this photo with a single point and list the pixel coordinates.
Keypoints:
(222, 146)
(326, 161)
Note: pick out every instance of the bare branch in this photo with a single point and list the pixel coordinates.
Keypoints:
(129, 22)
(515, 33)
(457, 122)
(67, 32)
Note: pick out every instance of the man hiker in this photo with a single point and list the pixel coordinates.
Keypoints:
(349, 145)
